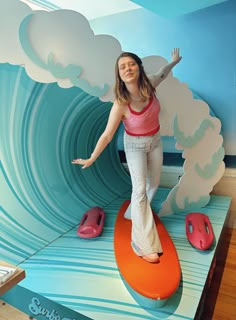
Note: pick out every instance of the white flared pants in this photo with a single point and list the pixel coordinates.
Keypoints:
(144, 157)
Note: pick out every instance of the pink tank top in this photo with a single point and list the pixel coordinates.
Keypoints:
(145, 122)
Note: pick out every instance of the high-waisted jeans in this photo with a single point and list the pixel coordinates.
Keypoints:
(144, 157)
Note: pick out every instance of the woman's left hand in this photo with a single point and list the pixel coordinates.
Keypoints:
(175, 55)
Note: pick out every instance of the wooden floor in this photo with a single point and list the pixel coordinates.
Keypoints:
(220, 301)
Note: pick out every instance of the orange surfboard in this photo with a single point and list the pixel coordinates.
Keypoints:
(156, 281)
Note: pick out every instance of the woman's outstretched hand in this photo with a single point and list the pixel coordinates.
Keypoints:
(85, 163)
(175, 55)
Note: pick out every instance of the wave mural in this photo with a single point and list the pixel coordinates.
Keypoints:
(42, 127)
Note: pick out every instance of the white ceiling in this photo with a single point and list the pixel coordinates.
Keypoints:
(91, 9)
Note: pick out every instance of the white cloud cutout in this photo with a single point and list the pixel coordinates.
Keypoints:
(68, 36)
(65, 34)
(12, 12)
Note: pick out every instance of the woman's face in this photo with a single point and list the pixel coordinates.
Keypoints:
(128, 69)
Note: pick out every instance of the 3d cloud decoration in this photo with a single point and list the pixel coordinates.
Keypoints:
(61, 47)
(75, 56)
(12, 12)
(197, 134)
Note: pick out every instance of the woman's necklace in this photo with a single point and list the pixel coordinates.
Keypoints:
(136, 99)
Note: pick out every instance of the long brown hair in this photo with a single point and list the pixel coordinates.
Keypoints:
(145, 87)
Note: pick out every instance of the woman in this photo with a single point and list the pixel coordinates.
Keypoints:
(137, 106)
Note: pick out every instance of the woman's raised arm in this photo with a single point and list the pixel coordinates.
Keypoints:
(158, 77)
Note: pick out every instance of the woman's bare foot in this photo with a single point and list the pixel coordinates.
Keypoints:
(152, 257)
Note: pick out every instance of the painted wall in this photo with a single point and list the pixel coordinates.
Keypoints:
(208, 46)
